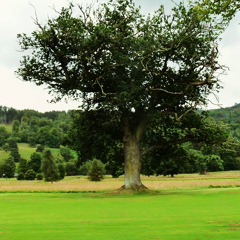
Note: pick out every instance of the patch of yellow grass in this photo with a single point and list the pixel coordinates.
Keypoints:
(79, 183)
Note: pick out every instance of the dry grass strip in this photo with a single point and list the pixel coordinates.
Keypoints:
(79, 183)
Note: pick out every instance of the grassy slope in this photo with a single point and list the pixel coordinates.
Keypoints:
(180, 215)
(7, 126)
(25, 151)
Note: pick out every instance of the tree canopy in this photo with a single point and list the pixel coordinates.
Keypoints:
(224, 8)
(146, 72)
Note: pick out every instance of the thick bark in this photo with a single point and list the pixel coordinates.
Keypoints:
(132, 156)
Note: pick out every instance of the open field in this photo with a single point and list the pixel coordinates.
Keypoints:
(187, 207)
(175, 215)
(80, 183)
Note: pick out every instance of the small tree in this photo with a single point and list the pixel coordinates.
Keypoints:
(40, 148)
(14, 152)
(49, 167)
(97, 171)
(3, 135)
(22, 167)
(30, 175)
(66, 153)
(15, 127)
(8, 167)
(61, 170)
(85, 168)
(32, 141)
(39, 176)
(21, 176)
(35, 161)
(71, 168)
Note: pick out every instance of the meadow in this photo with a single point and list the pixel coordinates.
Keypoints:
(187, 207)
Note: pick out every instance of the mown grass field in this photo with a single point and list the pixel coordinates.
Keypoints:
(187, 207)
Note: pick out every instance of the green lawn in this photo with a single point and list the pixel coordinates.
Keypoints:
(179, 215)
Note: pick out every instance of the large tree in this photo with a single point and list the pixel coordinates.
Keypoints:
(148, 72)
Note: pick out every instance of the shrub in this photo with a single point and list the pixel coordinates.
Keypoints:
(61, 170)
(30, 175)
(85, 168)
(39, 176)
(35, 162)
(22, 166)
(49, 167)
(40, 148)
(8, 167)
(71, 169)
(66, 153)
(21, 176)
(32, 141)
(97, 171)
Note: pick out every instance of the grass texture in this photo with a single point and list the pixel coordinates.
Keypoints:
(187, 207)
(170, 215)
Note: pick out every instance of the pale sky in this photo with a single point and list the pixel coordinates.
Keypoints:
(16, 17)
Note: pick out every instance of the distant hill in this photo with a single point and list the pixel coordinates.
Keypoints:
(230, 116)
(227, 115)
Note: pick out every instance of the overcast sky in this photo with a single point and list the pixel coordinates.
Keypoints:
(16, 17)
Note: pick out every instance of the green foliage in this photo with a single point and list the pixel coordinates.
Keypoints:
(85, 168)
(15, 127)
(214, 163)
(14, 151)
(26, 124)
(7, 167)
(104, 135)
(4, 134)
(61, 169)
(49, 167)
(31, 141)
(146, 74)
(96, 170)
(35, 162)
(22, 166)
(15, 154)
(66, 153)
(30, 175)
(225, 9)
(71, 168)
(39, 176)
(40, 148)
(20, 176)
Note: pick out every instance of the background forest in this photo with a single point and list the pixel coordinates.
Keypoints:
(80, 140)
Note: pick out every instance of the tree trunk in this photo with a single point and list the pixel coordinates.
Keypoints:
(132, 156)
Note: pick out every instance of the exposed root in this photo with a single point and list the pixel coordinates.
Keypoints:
(133, 190)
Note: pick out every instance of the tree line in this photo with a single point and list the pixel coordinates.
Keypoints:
(9, 114)
(93, 135)
(49, 129)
